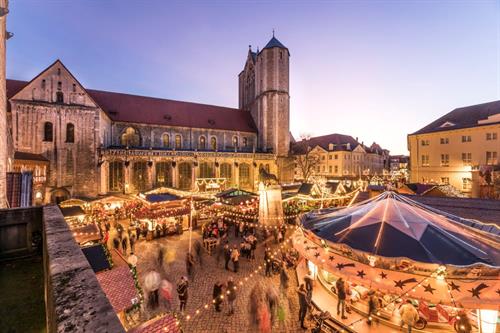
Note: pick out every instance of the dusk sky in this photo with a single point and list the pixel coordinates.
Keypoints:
(376, 70)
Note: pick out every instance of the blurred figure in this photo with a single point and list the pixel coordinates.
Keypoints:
(217, 293)
(231, 295)
(409, 315)
(182, 292)
(303, 304)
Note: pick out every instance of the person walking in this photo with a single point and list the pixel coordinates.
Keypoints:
(124, 246)
(235, 257)
(309, 285)
(116, 243)
(409, 315)
(132, 242)
(341, 294)
(197, 250)
(216, 294)
(189, 265)
(303, 304)
(372, 306)
(227, 256)
(182, 292)
(231, 295)
(267, 261)
(463, 323)
(283, 278)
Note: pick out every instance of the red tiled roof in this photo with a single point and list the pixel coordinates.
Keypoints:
(158, 111)
(118, 285)
(164, 324)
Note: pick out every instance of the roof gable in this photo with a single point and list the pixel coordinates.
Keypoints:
(55, 79)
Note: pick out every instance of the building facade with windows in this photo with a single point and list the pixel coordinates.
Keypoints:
(338, 156)
(458, 148)
(97, 142)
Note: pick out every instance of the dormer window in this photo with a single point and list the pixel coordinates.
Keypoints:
(330, 146)
(447, 124)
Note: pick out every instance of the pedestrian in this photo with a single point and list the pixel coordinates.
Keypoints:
(227, 256)
(303, 304)
(409, 315)
(182, 292)
(235, 257)
(197, 250)
(161, 254)
(217, 295)
(231, 295)
(341, 294)
(273, 298)
(138, 231)
(372, 306)
(236, 229)
(267, 261)
(309, 285)
(463, 323)
(189, 265)
(166, 293)
(124, 246)
(283, 278)
(116, 243)
(132, 243)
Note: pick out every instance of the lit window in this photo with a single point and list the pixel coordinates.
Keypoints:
(467, 158)
(466, 183)
(130, 137)
(202, 144)
(425, 160)
(178, 142)
(235, 141)
(445, 180)
(213, 143)
(245, 142)
(491, 157)
(165, 140)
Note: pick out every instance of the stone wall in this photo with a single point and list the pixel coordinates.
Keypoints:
(3, 113)
(75, 301)
(17, 227)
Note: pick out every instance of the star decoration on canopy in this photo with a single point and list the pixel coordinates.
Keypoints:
(330, 258)
(317, 254)
(477, 291)
(428, 289)
(401, 283)
(498, 292)
(454, 286)
(341, 266)
(361, 274)
(383, 275)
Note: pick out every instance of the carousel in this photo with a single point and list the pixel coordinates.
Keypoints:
(396, 249)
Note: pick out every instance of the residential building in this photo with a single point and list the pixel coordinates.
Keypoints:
(459, 149)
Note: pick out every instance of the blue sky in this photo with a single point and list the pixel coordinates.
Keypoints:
(376, 70)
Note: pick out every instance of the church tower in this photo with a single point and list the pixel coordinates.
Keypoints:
(264, 90)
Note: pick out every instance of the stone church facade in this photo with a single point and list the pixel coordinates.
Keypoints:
(99, 142)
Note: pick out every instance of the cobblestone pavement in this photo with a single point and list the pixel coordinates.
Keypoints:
(205, 276)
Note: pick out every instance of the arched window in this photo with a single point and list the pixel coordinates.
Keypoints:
(207, 170)
(213, 143)
(48, 131)
(202, 143)
(235, 141)
(165, 140)
(178, 142)
(116, 176)
(70, 133)
(245, 142)
(130, 137)
(245, 180)
(226, 171)
(164, 174)
(185, 175)
(139, 175)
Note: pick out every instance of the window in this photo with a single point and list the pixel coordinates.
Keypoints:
(165, 140)
(178, 142)
(235, 141)
(185, 175)
(116, 176)
(491, 136)
(445, 160)
(70, 133)
(466, 184)
(139, 175)
(164, 174)
(336, 156)
(59, 85)
(336, 169)
(245, 180)
(59, 97)
(245, 142)
(444, 141)
(491, 157)
(43, 83)
(202, 143)
(425, 142)
(330, 169)
(213, 143)
(323, 168)
(329, 157)
(467, 158)
(445, 180)
(207, 170)
(323, 157)
(466, 138)
(130, 137)
(425, 160)
(74, 87)
(226, 171)
(48, 131)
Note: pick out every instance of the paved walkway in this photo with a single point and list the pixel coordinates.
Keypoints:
(205, 276)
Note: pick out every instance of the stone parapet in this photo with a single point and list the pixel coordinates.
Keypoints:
(75, 301)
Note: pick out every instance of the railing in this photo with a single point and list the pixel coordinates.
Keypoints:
(133, 152)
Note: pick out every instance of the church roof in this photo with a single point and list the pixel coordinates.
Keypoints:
(464, 117)
(274, 42)
(157, 111)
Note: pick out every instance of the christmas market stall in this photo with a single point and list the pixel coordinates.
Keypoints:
(392, 249)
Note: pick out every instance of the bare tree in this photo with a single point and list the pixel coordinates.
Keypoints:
(306, 159)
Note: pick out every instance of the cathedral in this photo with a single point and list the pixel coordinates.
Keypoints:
(79, 142)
